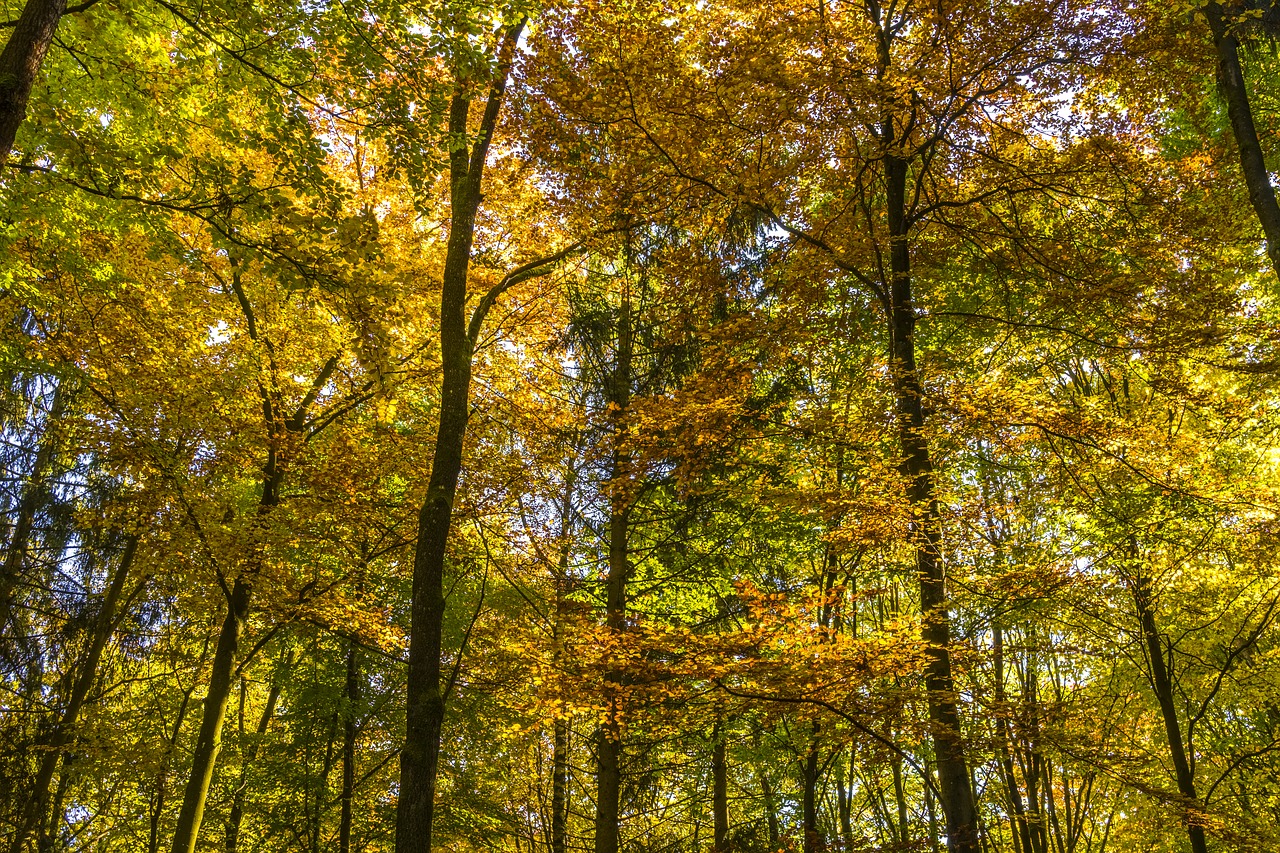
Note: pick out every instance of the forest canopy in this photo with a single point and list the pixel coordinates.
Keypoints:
(640, 426)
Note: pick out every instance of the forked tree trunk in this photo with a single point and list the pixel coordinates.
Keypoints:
(425, 694)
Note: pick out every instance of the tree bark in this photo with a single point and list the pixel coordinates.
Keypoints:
(609, 739)
(63, 732)
(719, 790)
(1162, 684)
(1231, 82)
(425, 699)
(20, 63)
(926, 526)
(209, 741)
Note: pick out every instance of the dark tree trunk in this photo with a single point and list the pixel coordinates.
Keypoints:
(809, 798)
(425, 694)
(20, 63)
(926, 526)
(1231, 83)
(1162, 684)
(63, 731)
(349, 734)
(719, 790)
(609, 739)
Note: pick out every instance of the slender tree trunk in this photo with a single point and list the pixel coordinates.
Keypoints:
(209, 741)
(926, 526)
(34, 496)
(425, 694)
(770, 811)
(719, 790)
(63, 731)
(1235, 91)
(1021, 831)
(609, 739)
(349, 733)
(20, 63)
(236, 818)
(162, 777)
(1162, 683)
(812, 839)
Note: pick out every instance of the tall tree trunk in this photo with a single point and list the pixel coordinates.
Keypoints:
(811, 839)
(1231, 82)
(926, 525)
(20, 63)
(209, 741)
(425, 694)
(161, 779)
(236, 817)
(34, 496)
(349, 733)
(63, 731)
(609, 738)
(1162, 684)
(719, 790)
(1021, 831)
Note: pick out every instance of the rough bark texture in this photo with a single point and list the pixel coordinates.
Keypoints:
(63, 732)
(1231, 83)
(20, 63)
(926, 527)
(420, 757)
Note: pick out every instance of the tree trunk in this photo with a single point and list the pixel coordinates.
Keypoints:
(20, 63)
(236, 817)
(609, 740)
(209, 741)
(1162, 683)
(926, 526)
(157, 801)
(719, 790)
(1231, 83)
(63, 732)
(425, 695)
(34, 497)
(812, 840)
(349, 732)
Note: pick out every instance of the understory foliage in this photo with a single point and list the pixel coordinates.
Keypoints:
(868, 419)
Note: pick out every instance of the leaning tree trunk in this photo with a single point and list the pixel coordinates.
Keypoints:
(238, 799)
(63, 732)
(20, 63)
(1162, 683)
(1231, 82)
(954, 783)
(34, 495)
